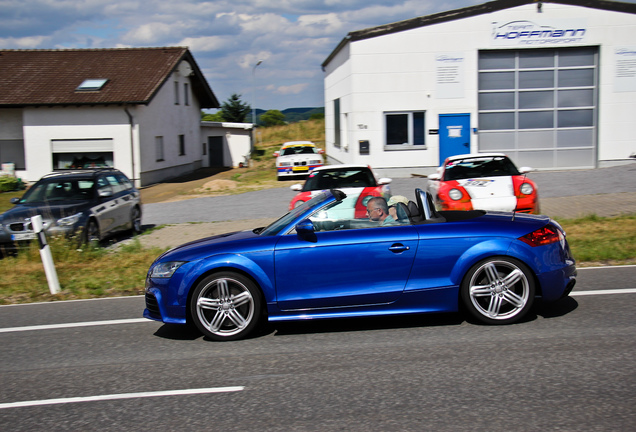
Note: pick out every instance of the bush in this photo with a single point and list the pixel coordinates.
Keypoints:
(8, 183)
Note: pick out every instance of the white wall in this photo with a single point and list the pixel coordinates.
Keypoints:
(237, 141)
(397, 71)
(42, 125)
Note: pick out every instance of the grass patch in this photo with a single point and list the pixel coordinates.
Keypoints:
(597, 240)
(92, 272)
(83, 273)
(5, 198)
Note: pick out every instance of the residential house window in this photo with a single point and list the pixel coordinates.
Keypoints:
(159, 148)
(176, 92)
(82, 153)
(182, 145)
(405, 130)
(336, 119)
(186, 94)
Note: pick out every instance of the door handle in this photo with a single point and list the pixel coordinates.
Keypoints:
(398, 248)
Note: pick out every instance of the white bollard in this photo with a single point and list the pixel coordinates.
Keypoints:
(45, 253)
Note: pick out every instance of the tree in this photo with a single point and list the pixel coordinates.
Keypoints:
(216, 117)
(234, 109)
(273, 118)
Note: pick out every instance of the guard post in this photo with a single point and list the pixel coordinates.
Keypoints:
(45, 253)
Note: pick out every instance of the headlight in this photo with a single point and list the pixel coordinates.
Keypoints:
(526, 189)
(315, 162)
(165, 269)
(69, 220)
(284, 164)
(455, 194)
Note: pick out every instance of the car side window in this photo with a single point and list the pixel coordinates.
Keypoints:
(114, 183)
(123, 180)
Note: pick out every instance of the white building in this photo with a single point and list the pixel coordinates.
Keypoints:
(550, 83)
(137, 109)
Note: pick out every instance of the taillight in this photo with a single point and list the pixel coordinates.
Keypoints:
(543, 236)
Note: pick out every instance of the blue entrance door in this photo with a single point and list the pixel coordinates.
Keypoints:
(454, 135)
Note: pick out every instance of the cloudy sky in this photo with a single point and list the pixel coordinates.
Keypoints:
(226, 37)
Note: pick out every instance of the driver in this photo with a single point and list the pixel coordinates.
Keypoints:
(378, 211)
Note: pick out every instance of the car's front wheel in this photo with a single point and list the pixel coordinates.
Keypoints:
(226, 306)
(498, 290)
(91, 234)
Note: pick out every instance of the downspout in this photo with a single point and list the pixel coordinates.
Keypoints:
(132, 144)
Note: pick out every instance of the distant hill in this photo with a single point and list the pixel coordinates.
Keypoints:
(293, 115)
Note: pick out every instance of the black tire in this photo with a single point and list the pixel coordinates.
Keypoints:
(226, 306)
(498, 290)
(135, 220)
(91, 233)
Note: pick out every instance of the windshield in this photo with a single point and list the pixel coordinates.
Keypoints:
(298, 150)
(275, 227)
(480, 167)
(59, 190)
(339, 178)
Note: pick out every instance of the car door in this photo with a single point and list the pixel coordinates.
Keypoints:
(108, 211)
(344, 267)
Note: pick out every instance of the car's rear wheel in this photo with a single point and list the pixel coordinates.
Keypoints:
(91, 234)
(226, 306)
(498, 290)
(135, 220)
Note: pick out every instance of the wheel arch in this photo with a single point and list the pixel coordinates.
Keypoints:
(259, 280)
(491, 249)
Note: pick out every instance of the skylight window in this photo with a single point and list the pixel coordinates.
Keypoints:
(92, 85)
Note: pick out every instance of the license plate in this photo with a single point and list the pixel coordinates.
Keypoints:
(23, 236)
(301, 169)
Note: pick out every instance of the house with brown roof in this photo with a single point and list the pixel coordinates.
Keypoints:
(137, 109)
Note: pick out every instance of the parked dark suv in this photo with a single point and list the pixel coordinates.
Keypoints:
(92, 204)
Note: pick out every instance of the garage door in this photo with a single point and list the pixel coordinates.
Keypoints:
(539, 106)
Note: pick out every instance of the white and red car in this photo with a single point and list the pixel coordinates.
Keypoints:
(356, 181)
(297, 158)
(484, 181)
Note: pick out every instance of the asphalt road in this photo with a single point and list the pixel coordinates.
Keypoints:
(569, 367)
(271, 203)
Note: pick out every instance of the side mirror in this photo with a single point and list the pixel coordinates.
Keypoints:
(435, 177)
(321, 151)
(276, 154)
(525, 170)
(14, 200)
(305, 230)
(385, 181)
(296, 187)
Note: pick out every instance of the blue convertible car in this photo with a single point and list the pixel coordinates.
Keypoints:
(317, 261)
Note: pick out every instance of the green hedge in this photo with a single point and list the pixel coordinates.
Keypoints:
(8, 183)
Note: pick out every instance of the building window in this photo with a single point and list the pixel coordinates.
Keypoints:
(82, 153)
(205, 149)
(176, 92)
(405, 130)
(159, 148)
(336, 119)
(182, 145)
(186, 94)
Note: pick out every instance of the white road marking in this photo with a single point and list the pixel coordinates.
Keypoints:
(72, 325)
(120, 396)
(601, 292)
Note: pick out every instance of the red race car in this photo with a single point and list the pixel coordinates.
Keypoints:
(354, 180)
(488, 181)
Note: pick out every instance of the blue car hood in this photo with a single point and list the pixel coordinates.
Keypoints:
(234, 242)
